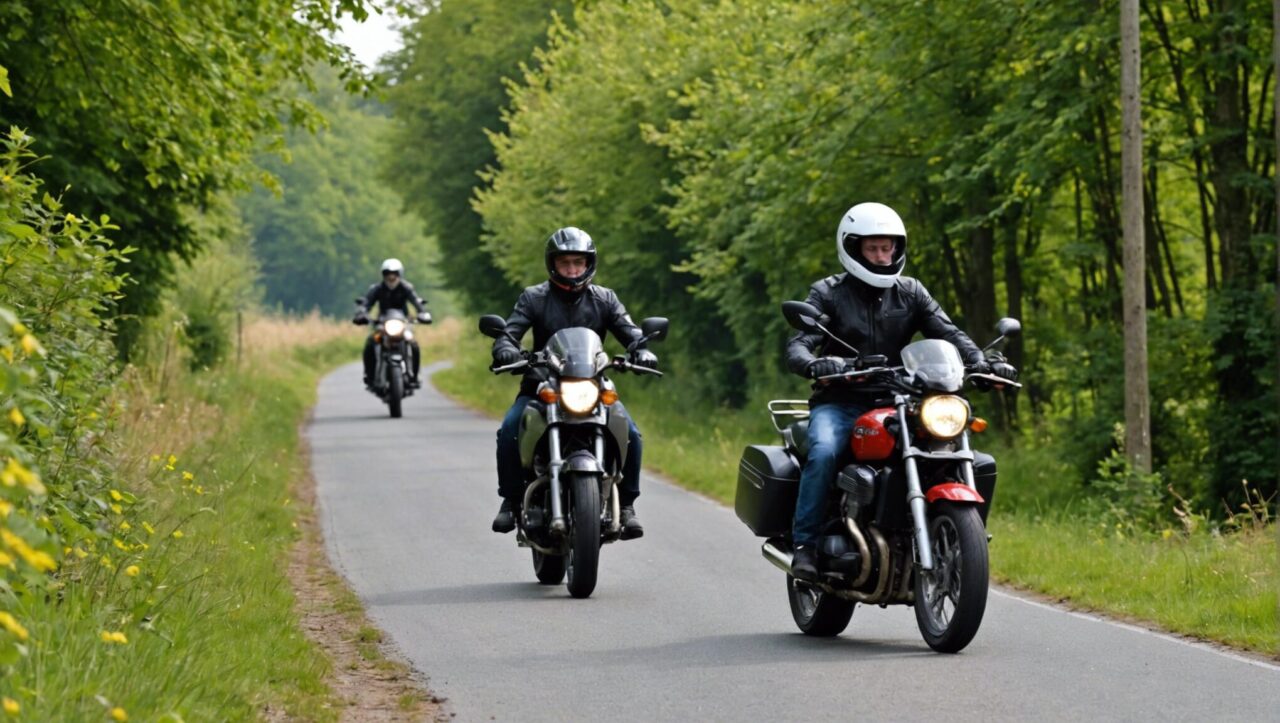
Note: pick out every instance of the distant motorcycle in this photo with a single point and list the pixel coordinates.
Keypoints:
(905, 521)
(392, 371)
(573, 441)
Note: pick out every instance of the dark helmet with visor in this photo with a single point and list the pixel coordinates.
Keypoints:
(571, 240)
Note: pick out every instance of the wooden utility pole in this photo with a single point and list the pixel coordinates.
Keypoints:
(1137, 399)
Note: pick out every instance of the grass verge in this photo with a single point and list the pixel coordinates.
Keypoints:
(1217, 587)
(189, 613)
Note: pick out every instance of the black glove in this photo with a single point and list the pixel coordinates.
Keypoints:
(1005, 370)
(361, 318)
(824, 367)
(424, 317)
(644, 358)
(506, 356)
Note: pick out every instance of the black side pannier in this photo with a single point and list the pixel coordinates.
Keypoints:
(768, 482)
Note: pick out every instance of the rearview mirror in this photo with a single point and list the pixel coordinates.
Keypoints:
(1008, 327)
(654, 328)
(801, 315)
(492, 325)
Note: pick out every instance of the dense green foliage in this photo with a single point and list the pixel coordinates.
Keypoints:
(322, 233)
(447, 94)
(711, 147)
(148, 107)
(56, 370)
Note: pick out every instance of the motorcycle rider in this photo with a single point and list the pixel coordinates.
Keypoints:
(877, 310)
(393, 292)
(566, 299)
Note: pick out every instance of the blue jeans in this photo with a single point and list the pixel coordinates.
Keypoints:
(830, 425)
(511, 473)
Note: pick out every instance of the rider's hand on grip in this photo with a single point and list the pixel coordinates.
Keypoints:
(505, 357)
(1005, 370)
(824, 367)
(424, 317)
(644, 358)
(360, 319)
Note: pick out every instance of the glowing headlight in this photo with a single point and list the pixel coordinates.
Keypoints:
(394, 327)
(579, 395)
(944, 416)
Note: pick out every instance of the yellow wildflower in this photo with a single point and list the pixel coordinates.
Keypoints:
(5, 508)
(187, 476)
(14, 474)
(119, 544)
(117, 713)
(147, 526)
(177, 534)
(7, 561)
(20, 328)
(155, 458)
(15, 416)
(169, 464)
(115, 495)
(8, 622)
(117, 509)
(106, 561)
(113, 637)
(199, 490)
(132, 571)
(31, 345)
(7, 353)
(10, 705)
(33, 557)
(80, 553)
(125, 526)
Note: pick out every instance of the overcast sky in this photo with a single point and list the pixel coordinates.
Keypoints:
(370, 39)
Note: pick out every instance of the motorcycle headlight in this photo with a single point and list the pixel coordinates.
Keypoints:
(944, 416)
(579, 396)
(394, 328)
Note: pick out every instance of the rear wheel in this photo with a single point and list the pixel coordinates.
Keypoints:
(549, 568)
(584, 535)
(816, 612)
(395, 390)
(952, 597)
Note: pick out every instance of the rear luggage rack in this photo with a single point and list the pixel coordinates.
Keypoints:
(782, 412)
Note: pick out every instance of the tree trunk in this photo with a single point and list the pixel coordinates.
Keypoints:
(1136, 395)
(1275, 98)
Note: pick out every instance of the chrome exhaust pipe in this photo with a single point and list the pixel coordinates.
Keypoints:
(780, 558)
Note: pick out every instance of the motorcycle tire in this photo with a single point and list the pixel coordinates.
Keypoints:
(395, 391)
(584, 535)
(550, 569)
(818, 613)
(951, 598)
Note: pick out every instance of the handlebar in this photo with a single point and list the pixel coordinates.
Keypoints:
(859, 374)
(536, 359)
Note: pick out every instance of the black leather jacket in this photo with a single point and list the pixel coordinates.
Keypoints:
(388, 298)
(874, 321)
(548, 309)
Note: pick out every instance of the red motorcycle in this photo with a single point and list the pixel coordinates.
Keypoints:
(906, 518)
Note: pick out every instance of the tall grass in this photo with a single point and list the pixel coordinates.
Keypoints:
(1048, 536)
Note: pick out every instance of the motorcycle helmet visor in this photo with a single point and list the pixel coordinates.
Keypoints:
(854, 247)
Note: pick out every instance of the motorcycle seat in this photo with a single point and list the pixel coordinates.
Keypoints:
(796, 437)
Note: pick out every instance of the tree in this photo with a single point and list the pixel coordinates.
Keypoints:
(1137, 400)
(447, 91)
(149, 107)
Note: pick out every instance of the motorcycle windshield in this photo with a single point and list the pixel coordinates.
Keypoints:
(934, 363)
(579, 351)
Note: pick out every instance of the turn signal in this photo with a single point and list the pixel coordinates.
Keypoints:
(548, 395)
(377, 337)
(608, 396)
(978, 425)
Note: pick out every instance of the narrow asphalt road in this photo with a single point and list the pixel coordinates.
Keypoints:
(690, 622)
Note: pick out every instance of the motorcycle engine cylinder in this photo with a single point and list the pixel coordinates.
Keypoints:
(858, 481)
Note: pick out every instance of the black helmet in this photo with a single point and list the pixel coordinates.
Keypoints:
(570, 240)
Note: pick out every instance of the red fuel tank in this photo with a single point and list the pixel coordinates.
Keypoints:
(870, 440)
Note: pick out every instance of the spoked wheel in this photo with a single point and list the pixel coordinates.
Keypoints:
(584, 535)
(951, 598)
(818, 613)
(549, 568)
(395, 390)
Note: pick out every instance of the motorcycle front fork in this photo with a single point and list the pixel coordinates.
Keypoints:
(915, 493)
(556, 464)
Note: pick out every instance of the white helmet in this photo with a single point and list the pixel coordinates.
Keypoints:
(871, 219)
(392, 266)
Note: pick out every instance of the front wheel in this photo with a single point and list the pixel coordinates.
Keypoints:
(549, 568)
(951, 598)
(395, 390)
(584, 535)
(818, 613)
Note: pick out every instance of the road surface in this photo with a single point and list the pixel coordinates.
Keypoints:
(690, 622)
